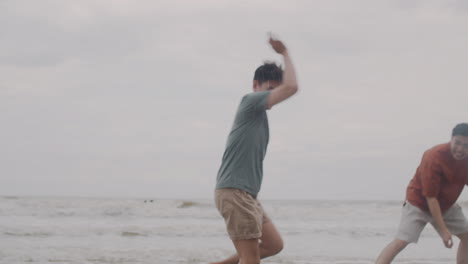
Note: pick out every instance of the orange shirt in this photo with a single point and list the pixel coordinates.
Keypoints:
(439, 175)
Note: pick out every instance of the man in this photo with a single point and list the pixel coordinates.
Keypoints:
(431, 197)
(240, 176)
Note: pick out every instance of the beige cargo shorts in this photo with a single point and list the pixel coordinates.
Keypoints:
(243, 214)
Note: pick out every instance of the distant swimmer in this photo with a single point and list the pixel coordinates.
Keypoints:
(431, 198)
(240, 175)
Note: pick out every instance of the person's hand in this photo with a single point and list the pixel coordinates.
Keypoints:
(277, 45)
(447, 238)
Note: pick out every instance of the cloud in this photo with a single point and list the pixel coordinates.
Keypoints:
(144, 94)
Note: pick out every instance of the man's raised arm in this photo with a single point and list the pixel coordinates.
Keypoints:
(288, 87)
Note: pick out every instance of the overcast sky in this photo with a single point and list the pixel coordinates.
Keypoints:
(136, 98)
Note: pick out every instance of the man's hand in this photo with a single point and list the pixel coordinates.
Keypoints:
(277, 45)
(447, 238)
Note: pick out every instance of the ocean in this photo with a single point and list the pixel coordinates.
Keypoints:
(141, 231)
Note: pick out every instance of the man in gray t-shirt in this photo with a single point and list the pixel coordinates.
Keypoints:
(240, 175)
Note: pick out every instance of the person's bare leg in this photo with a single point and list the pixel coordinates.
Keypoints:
(270, 244)
(248, 251)
(462, 254)
(390, 251)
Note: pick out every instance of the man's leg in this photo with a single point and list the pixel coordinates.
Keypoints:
(248, 251)
(413, 220)
(390, 251)
(462, 255)
(457, 224)
(248, 248)
(270, 244)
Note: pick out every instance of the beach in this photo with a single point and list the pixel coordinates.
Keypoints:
(149, 230)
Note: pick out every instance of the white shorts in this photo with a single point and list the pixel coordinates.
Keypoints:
(413, 221)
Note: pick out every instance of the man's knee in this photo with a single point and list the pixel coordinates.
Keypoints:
(394, 247)
(271, 240)
(277, 247)
(390, 251)
(272, 247)
(399, 244)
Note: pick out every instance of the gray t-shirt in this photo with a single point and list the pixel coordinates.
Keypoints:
(242, 164)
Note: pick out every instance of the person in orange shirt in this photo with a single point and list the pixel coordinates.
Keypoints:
(431, 197)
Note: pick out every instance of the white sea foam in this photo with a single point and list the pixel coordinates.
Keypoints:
(91, 230)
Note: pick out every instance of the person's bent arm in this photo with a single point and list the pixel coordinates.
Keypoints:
(434, 208)
(288, 87)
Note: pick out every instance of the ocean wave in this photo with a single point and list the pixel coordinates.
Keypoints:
(28, 234)
(132, 234)
(10, 197)
(113, 213)
(187, 204)
(66, 214)
(94, 208)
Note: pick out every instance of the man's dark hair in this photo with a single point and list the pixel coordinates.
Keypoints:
(461, 130)
(268, 72)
